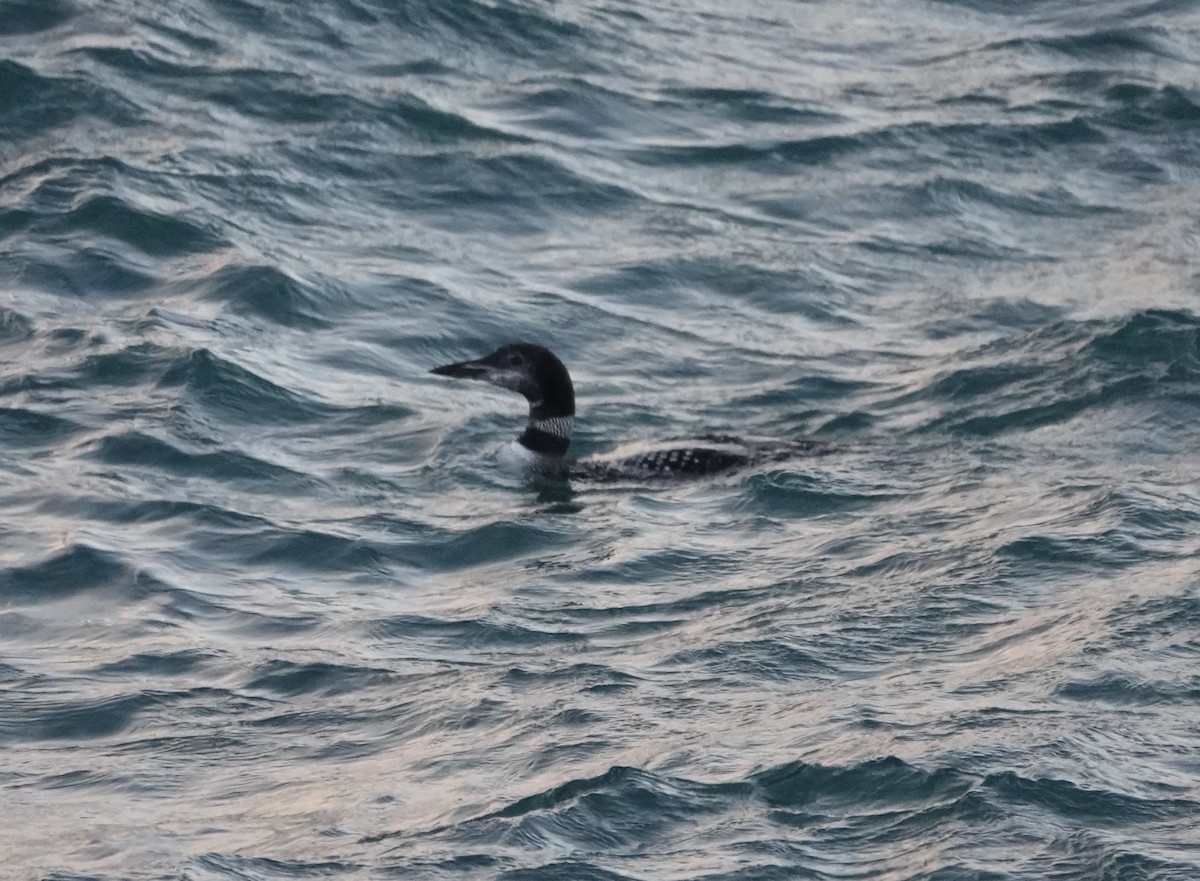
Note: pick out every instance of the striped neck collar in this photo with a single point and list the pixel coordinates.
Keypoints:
(548, 437)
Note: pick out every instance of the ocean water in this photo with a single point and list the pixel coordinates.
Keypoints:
(270, 606)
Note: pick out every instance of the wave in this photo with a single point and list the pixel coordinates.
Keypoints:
(33, 103)
(1062, 371)
(869, 818)
(79, 568)
(137, 451)
(34, 16)
(236, 394)
(22, 428)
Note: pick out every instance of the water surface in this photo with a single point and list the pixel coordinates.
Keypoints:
(270, 609)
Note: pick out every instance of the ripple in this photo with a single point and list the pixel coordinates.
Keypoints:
(504, 30)
(34, 16)
(14, 327)
(307, 550)
(619, 809)
(164, 664)
(286, 678)
(152, 233)
(76, 569)
(235, 393)
(1154, 337)
(72, 720)
(142, 451)
(1098, 807)
(868, 787)
(26, 429)
(774, 157)
(753, 661)
(246, 867)
(34, 104)
(1120, 690)
(1165, 111)
(1047, 377)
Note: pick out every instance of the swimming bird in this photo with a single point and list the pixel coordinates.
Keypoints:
(536, 373)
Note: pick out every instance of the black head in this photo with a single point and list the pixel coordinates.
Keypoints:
(533, 371)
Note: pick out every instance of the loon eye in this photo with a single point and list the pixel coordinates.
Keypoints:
(515, 359)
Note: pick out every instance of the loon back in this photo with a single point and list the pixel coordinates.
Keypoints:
(709, 454)
(536, 373)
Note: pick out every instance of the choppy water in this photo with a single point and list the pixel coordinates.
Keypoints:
(269, 608)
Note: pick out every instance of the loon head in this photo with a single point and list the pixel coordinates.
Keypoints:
(535, 372)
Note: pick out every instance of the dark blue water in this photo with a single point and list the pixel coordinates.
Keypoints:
(271, 608)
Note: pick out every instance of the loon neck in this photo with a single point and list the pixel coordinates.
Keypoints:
(547, 434)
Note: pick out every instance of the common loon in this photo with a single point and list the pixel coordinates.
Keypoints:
(537, 373)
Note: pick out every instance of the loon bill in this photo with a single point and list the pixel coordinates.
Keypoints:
(535, 372)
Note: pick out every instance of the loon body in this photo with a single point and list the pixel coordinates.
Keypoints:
(536, 373)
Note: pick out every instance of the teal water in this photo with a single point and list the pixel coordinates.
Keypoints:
(270, 606)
